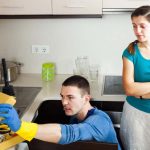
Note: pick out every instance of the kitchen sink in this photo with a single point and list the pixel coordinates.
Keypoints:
(24, 98)
(51, 111)
(49, 108)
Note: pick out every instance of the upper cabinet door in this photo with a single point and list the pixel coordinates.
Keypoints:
(25, 7)
(124, 3)
(73, 7)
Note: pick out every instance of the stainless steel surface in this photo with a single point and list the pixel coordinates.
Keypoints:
(113, 86)
(115, 117)
(116, 11)
(24, 98)
(13, 70)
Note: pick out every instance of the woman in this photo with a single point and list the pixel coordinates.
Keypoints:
(135, 131)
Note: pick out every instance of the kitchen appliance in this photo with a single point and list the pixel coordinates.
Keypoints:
(13, 70)
(112, 85)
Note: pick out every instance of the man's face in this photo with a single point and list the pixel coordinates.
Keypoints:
(72, 100)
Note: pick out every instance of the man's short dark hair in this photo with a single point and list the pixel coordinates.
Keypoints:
(78, 81)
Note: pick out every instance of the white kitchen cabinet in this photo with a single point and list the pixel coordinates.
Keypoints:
(25, 7)
(124, 4)
(76, 7)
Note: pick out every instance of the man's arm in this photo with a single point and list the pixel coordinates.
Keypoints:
(28, 130)
(95, 127)
(49, 133)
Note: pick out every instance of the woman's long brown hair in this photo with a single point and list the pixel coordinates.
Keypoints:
(131, 47)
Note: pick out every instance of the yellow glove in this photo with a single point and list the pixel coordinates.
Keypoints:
(27, 130)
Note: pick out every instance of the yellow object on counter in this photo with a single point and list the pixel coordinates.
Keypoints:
(6, 99)
(4, 126)
(13, 139)
(27, 130)
(4, 129)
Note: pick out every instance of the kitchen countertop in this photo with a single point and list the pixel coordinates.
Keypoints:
(51, 91)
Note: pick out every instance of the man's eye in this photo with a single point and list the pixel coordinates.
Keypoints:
(70, 98)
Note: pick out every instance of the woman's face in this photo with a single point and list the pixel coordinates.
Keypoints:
(141, 27)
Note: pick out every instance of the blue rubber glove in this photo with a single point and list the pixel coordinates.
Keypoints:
(10, 116)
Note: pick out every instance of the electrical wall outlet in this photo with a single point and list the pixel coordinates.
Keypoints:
(40, 49)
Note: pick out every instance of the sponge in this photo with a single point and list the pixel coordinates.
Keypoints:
(6, 99)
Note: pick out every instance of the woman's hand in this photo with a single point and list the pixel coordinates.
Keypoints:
(146, 96)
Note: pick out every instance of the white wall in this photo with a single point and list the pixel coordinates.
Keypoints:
(102, 40)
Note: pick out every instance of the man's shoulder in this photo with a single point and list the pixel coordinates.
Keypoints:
(99, 115)
(99, 112)
(100, 120)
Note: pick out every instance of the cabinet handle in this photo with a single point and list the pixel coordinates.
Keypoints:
(5, 6)
(75, 6)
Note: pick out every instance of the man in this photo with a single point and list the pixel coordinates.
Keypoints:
(87, 123)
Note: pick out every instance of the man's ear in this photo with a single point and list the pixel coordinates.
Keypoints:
(88, 97)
